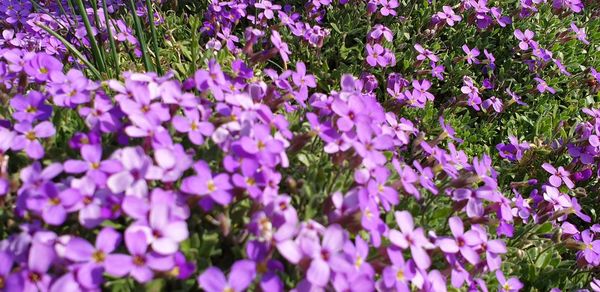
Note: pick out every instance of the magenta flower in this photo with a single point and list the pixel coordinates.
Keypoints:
(590, 248)
(412, 238)
(558, 176)
(240, 277)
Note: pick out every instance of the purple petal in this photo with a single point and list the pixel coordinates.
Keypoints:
(212, 280)
(241, 275)
(108, 240)
(118, 265)
(79, 250)
(318, 273)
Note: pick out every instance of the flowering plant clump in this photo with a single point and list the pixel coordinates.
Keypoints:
(323, 145)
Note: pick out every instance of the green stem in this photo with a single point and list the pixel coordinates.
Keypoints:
(140, 36)
(154, 36)
(72, 49)
(113, 46)
(90, 34)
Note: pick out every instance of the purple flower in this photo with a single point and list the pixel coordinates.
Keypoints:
(380, 31)
(41, 258)
(558, 176)
(163, 232)
(92, 164)
(471, 54)
(580, 33)
(377, 189)
(437, 71)
(542, 86)
(268, 8)
(448, 15)
(493, 102)
(240, 277)
(511, 285)
(29, 138)
(388, 7)
(195, 128)
(53, 204)
(30, 107)
(462, 241)
(492, 248)
(590, 248)
(400, 273)
(425, 54)
(42, 66)
(556, 198)
(375, 55)
(139, 264)
(94, 257)
(412, 238)
(303, 81)
(280, 45)
(524, 38)
(204, 183)
(325, 255)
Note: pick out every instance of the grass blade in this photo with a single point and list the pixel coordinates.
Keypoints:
(113, 46)
(90, 34)
(140, 36)
(72, 49)
(154, 36)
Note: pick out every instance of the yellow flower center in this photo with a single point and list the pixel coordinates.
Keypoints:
(211, 186)
(30, 135)
(30, 109)
(358, 262)
(400, 275)
(55, 201)
(99, 256)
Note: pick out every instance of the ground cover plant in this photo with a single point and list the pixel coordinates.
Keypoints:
(319, 145)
